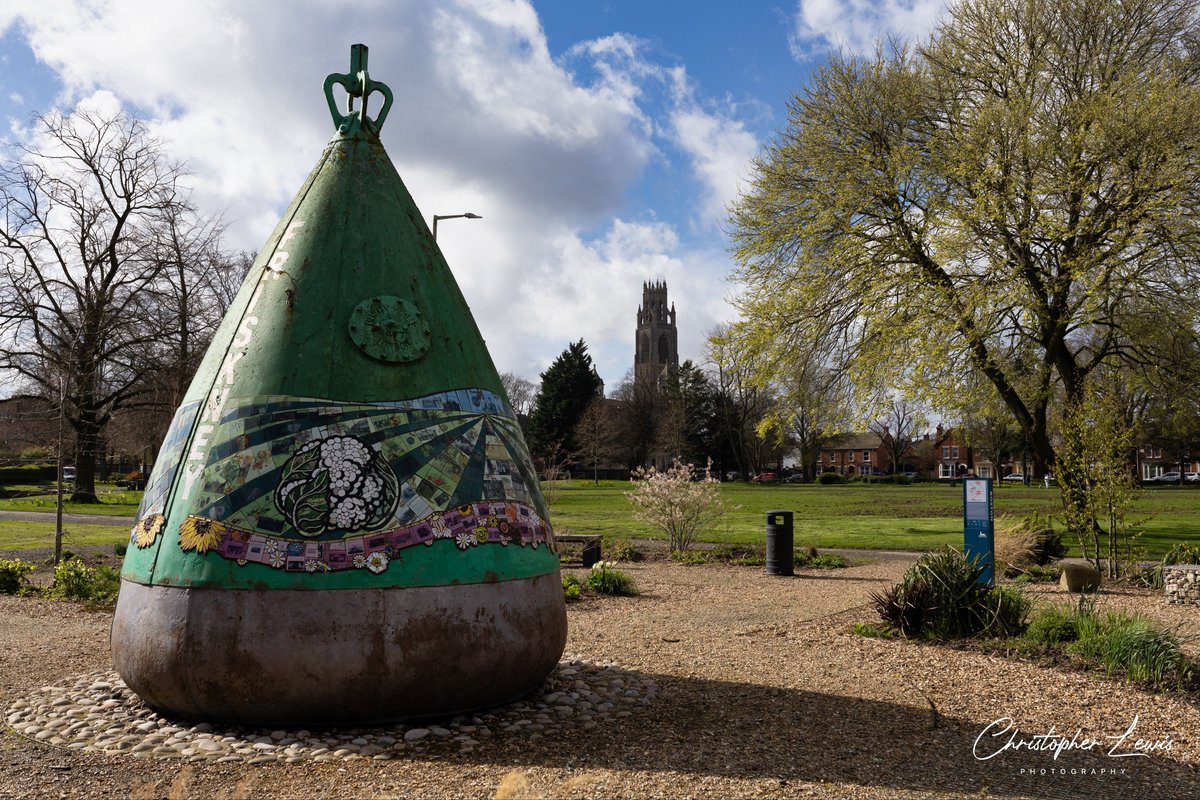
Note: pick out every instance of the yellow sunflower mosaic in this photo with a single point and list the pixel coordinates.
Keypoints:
(147, 530)
(200, 534)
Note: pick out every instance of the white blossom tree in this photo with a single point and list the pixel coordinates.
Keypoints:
(675, 503)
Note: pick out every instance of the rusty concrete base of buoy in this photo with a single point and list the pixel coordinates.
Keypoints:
(339, 656)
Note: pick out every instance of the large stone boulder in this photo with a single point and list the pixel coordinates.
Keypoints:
(1079, 578)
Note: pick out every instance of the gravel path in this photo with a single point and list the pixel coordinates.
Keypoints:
(744, 685)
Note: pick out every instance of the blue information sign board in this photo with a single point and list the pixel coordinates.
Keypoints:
(979, 528)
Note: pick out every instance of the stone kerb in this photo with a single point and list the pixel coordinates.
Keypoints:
(1181, 584)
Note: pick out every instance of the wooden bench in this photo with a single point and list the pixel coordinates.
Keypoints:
(591, 545)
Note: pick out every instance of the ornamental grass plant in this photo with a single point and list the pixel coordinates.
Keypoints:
(941, 597)
(1120, 643)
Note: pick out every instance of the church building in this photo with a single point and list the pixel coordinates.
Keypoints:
(656, 355)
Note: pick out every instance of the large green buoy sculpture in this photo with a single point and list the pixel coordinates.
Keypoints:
(344, 524)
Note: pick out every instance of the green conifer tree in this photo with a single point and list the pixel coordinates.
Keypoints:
(568, 386)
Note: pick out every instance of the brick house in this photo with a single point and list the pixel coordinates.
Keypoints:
(1152, 461)
(954, 458)
(855, 454)
(27, 422)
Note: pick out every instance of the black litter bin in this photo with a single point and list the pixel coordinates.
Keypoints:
(779, 543)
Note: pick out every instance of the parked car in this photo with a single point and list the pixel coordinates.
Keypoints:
(765, 477)
(1191, 477)
(68, 474)
(912, 476)
(733, 475)
(1166, 477)
(797, 478)
(1016, 476)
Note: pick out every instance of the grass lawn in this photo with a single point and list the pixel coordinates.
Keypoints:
(114, 502)
(26, 535)
(867, 516)
(22, 535)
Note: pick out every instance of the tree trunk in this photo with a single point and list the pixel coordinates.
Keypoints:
(87, 450)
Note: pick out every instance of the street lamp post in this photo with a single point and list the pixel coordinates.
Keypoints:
(436, 217)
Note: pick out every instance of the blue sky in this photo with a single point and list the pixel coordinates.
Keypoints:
(600, 141)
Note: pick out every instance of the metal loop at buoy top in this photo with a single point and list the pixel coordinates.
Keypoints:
(357, 83)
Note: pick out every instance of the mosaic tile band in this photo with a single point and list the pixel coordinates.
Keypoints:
(314, 486)
(473, 525)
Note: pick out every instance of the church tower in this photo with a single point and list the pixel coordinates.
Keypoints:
(657, 343)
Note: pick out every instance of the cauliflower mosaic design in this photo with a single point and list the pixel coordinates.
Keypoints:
(336, 484)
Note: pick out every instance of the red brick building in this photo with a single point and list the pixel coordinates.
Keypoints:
(855, 454)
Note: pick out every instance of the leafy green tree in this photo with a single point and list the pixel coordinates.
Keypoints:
(1010, 202)
(568, 386)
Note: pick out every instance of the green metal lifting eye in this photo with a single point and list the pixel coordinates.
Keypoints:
(357, 84)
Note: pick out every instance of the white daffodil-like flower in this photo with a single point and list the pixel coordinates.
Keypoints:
(377, 562)
(275, 554)
(360, 561)
(465, 539)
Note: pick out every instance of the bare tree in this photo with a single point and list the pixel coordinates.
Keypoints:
(596, 434)
(641, 421)
(556, 464)
(898, 427)
(521, 393)
(743, 400)
(992, 431)
(813, 406)
(85, 209)
(197, 286)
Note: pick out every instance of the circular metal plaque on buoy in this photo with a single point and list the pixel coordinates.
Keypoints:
(389, 329)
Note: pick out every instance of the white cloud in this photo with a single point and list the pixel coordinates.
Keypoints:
(718, 145)
(822, 25)
(16, 99)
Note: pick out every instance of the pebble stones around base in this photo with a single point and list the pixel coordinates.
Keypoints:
(97, 713)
